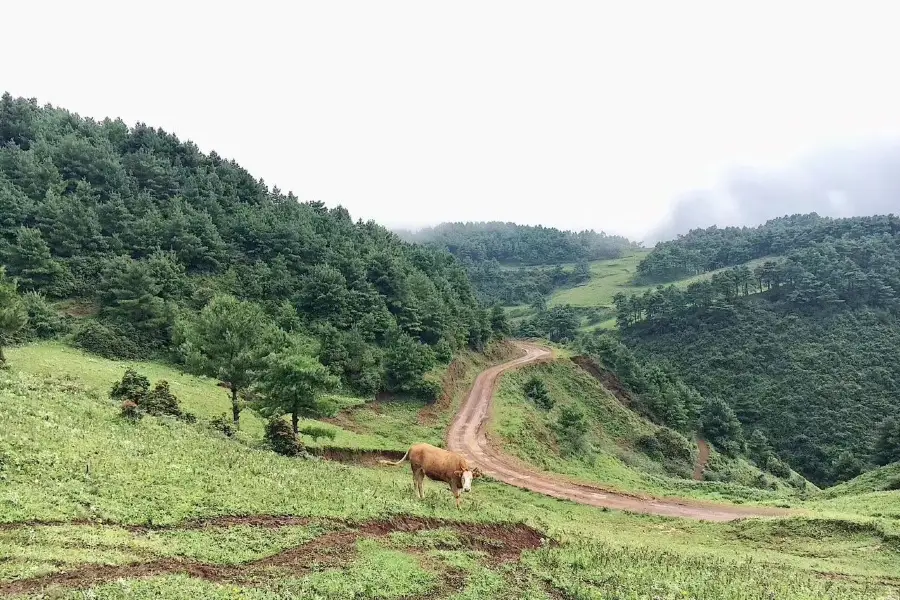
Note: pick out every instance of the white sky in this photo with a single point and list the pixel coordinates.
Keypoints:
(571, 114)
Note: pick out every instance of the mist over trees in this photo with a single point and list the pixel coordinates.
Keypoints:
(509, 243)
(848, 181)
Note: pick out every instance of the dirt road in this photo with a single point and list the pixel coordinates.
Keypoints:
(467, 436)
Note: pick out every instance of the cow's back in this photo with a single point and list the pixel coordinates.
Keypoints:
(437, 463)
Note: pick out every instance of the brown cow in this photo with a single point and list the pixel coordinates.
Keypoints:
(438, 465)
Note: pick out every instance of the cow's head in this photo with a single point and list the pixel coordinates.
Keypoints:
(465, 480)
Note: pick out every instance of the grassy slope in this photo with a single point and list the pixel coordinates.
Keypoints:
(65, 455)
(609, 277)
(527, 432)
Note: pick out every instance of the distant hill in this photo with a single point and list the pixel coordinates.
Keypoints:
(512, 244)
(803, 347)
(514, 264)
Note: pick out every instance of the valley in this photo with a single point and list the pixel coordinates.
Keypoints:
(199, 375)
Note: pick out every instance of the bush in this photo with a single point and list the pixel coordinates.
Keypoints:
(224, 424)
(428, 390)
(161, 401)
(133, 387)
(131, 411)
(572, 428)
(443, 352)
(538, 393)
(316, 432)
(721, 427)
(673, 445)
(44, 322)
(776, 467)
(99, 339)
(281, 437)
(649, 445)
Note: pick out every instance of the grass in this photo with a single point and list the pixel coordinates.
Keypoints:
(609, 277)
(66, 456)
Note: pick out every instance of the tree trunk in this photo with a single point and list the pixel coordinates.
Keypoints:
(235, 408)
(295, 419)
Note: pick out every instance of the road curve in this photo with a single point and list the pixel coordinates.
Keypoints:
(467, 437)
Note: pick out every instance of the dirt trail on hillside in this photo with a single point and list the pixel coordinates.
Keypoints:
(501, 542)
(702, 459)
(467, 436)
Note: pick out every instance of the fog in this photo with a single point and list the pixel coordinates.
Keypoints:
(853, 180)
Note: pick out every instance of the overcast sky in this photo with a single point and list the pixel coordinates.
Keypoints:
(572, 114)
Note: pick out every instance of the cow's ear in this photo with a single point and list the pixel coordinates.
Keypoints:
(476, 473)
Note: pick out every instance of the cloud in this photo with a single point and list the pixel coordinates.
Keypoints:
(853, 180)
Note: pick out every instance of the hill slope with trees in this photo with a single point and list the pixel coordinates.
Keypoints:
(810, 359)
(143, 232)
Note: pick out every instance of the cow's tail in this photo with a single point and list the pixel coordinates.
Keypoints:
(394, 464)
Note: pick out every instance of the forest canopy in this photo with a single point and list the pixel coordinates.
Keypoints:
(145, 230)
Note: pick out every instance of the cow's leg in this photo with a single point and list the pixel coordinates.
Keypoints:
(455, 490)
(419, 482)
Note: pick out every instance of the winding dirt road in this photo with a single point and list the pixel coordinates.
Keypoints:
(467, 436)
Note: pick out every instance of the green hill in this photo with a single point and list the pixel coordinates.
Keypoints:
(810, 361)
(140, 231)
(620, 449)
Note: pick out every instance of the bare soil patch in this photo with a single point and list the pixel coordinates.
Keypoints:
(502, 542)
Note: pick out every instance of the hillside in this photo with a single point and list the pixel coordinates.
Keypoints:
(188, 512)
(140, 232)
(618, 449)
(808, 360)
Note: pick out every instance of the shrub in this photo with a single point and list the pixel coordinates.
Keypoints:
(443, 352)
(673, 445)
(133, 387)
(44, 322)
(721, 426)
(131, 411)
(281, 437)
(161, 401)
(428, 390)
(538, 393)
(649, 445)
(572, 427)
(224, 424)
(316, 432)
(99, 339)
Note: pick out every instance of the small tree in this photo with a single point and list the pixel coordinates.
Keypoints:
(13, 315)
(572, 428)
(538, 393)
(229, 340)
(405, 363)
(721, 427)
(293, 383)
